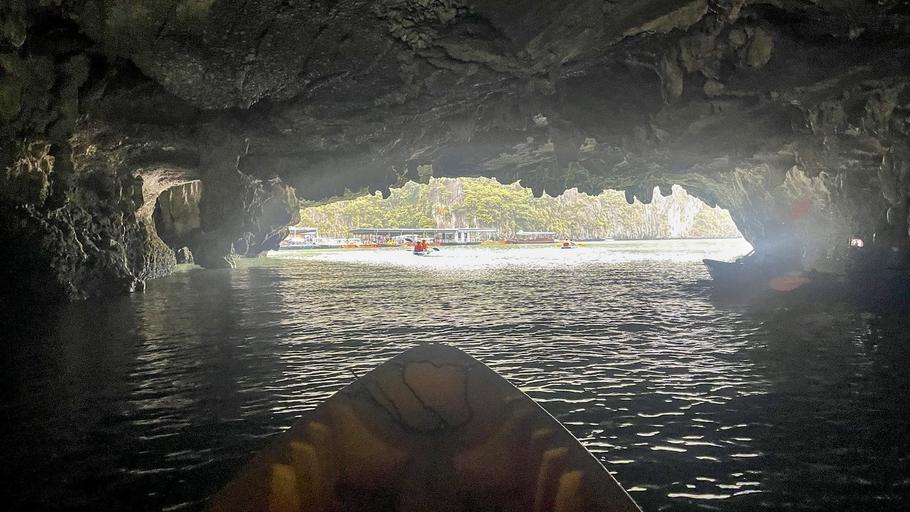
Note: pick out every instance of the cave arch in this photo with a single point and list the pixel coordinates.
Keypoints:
(750, 105)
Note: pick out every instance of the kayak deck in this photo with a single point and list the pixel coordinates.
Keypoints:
(430, 430)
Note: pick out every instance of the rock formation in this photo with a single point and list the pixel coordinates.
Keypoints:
(793, 115)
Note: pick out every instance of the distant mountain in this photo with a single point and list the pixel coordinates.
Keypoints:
(484, 202)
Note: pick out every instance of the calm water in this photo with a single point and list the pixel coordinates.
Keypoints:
(151, 402)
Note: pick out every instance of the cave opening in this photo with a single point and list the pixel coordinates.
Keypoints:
(506, 214)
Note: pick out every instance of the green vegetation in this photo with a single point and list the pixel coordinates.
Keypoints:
(484, 202)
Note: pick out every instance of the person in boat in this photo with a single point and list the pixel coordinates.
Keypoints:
(421, 246)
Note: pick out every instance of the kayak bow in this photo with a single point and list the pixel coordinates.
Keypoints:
(430, 430)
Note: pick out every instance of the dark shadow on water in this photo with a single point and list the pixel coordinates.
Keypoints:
(154, 400)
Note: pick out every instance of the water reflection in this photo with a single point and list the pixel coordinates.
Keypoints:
(150, 402)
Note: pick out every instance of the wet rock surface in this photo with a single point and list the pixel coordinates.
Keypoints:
(184, 256)
(794, 116)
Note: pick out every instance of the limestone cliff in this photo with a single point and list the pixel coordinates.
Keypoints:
(766, 108)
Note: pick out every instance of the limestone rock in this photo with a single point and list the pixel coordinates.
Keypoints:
(184, 256)
(756, 107)
(758, 52)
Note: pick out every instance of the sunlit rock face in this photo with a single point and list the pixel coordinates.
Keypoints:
(792, 115)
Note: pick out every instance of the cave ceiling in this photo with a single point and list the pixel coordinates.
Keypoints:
(334, 95)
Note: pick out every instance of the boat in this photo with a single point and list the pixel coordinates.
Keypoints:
(432, 429)
(351, 243)
(299, 238)
(741, 277)
(728, 272)
(295, 245)
(422, 247)
(532, 237)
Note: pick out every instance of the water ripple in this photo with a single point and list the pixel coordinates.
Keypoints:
(151, 402)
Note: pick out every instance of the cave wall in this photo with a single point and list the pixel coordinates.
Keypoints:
(83, 132)
(177, 216)
(793, 115)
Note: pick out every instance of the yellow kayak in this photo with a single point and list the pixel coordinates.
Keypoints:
(430, 430)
